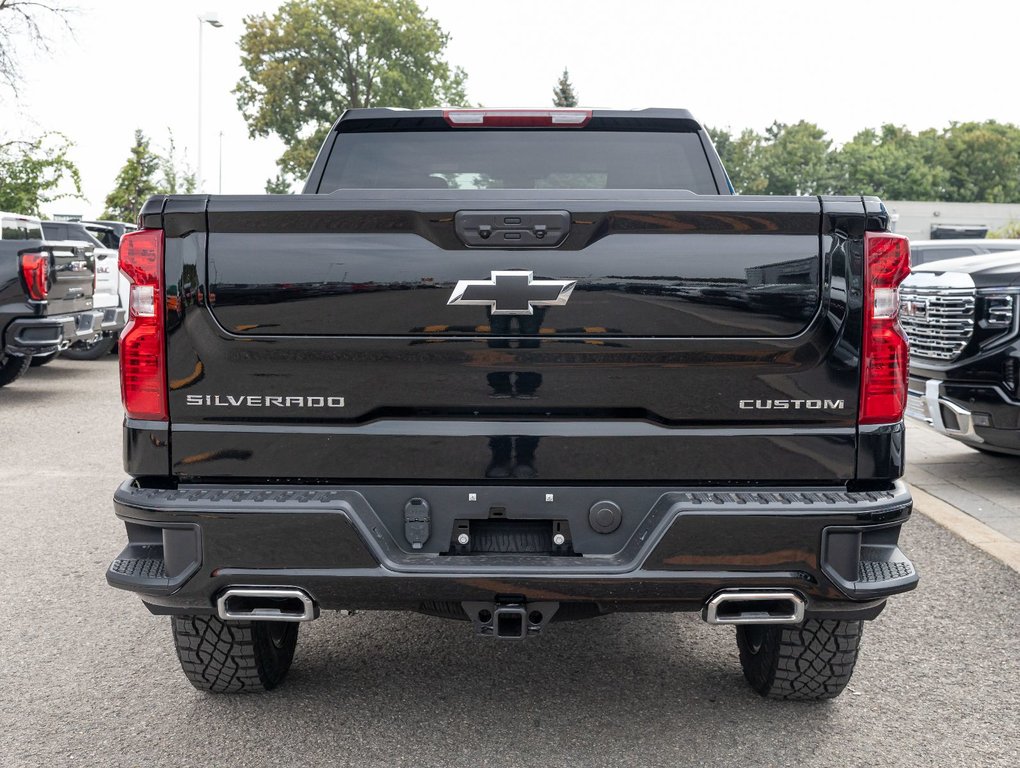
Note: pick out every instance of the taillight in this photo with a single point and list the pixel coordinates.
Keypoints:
(35, 270)
(885, 357)
(142, 348)
(517, 118)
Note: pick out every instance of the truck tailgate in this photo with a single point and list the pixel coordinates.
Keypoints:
(362, 334)
(72, 277)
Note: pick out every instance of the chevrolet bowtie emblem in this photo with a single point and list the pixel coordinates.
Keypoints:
(512, 292)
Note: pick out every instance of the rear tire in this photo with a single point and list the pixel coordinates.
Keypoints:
(236, 656)
(94, 351)
(806, 662)
(11, 368)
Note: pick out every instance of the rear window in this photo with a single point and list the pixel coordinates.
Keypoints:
(20, 229)
(54, 231)
(533, 159)
(105, 236)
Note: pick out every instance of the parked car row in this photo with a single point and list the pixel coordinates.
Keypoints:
(960, 309)
(61, 291)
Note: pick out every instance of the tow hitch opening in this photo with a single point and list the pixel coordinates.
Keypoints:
(509, 620)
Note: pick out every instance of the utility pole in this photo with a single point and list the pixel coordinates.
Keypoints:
(213, 21)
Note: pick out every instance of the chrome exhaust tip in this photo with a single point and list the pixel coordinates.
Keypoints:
(266, 604)
(755, 607)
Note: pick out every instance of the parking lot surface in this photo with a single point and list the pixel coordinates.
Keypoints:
(88, 677)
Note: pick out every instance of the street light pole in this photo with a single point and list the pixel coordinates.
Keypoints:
(213, 21)
(219, 188)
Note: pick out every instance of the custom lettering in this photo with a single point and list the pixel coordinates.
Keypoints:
(797, 405)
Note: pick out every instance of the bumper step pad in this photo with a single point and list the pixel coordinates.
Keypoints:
(141, 568)
(872, 571)
(157, 560)
(139, 565)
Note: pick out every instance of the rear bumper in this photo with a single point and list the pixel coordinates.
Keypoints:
(979, 415)
(45, 335)
(346, 549)
(113, 321)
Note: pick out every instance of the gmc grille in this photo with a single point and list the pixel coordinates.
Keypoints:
(938, 321)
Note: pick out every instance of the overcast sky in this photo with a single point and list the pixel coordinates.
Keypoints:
(738, 63)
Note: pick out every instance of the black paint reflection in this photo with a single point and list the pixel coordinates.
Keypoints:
(695, 285)
(514, 457)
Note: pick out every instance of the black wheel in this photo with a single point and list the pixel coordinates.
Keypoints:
(91, 350)
(11, 368)
(37, 361)
(234, 656)
(808, 661)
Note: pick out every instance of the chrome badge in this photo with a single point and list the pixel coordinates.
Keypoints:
(512, 292)
(915, 308)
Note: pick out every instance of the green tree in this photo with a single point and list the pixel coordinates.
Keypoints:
(147, 173)
(1010, 232)
(983, 162)
(795, 159)
(177, 176)
(278, 185)
(135, 183)
(313, 59)
(742, 157)
(892, 163)
(563, 93)
(32, 171)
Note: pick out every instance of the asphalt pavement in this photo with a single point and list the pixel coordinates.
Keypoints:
(89, 678)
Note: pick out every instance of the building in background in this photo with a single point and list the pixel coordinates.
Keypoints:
(920, 220)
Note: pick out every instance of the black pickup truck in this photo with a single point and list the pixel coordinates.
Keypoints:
(513, 368)
(46, 291)
(963, 319)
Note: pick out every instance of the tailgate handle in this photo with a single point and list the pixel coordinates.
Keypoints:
(512, 229)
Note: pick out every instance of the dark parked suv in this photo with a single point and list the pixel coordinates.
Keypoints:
(961, 316)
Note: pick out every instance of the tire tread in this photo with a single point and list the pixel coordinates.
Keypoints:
(808, 662)
(12, 368)
(230, 657)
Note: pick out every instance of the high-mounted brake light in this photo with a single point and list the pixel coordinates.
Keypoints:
(885, 355)
(142, 348)
(35, 270)
(517, 118)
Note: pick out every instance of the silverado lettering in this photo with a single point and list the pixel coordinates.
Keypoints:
(265, 401)
(506, 456)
